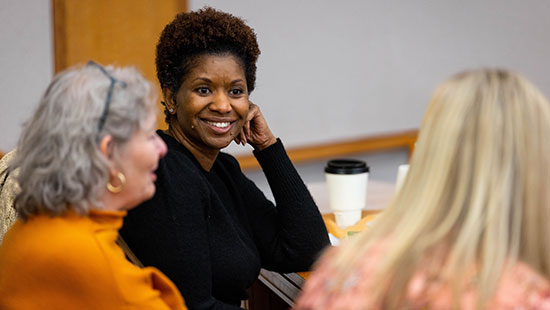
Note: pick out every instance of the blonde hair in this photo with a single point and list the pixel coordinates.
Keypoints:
(475, 191)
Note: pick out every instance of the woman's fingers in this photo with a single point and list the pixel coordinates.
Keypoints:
(257, 132)
(240, 138)
(252, 113)
(243, 137)
(246, 129)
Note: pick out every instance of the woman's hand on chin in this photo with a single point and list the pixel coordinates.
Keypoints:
(255, 130)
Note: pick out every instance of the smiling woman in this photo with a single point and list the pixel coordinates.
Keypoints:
(208, 226)
(215, 108)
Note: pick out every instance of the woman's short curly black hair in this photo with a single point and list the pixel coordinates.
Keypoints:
(203, 32)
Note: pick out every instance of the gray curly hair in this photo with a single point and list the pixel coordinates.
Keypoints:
(59, 165)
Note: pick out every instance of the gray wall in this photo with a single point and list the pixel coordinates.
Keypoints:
(26, 62)
(335, 70)
(332, 70)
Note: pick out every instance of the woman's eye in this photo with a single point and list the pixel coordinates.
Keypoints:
(236, 91)
(202, 90)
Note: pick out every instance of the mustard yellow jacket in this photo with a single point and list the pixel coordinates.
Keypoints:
(73, 262)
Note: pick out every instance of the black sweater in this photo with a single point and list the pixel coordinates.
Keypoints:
(211, 232)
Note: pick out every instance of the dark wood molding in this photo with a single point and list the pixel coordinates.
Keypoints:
(59, 35)
(182, 6)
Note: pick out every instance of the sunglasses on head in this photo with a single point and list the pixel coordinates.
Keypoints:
(105, 112)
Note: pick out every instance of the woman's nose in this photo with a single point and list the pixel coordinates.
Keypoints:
(162, 148)
(221, 103)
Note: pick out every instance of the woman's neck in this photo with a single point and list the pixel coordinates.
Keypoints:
(205, 157)
(112, 203)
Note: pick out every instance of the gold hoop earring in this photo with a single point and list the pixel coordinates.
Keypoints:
(117, 189)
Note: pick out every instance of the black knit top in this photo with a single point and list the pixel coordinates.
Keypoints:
(211, 231)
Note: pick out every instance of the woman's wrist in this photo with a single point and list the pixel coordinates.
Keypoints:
(269, 142)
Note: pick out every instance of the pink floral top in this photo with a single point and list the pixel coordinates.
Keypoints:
(520, 287)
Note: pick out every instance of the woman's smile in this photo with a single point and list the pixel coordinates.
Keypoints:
(219, 126)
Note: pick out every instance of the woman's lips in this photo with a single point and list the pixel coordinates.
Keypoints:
(219, 127)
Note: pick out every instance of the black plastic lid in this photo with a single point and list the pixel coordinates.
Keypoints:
(346, 166)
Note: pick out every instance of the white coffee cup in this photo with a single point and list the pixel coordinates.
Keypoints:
(347, 189)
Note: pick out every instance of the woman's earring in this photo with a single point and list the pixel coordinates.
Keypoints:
(171, 110)
(117, 189)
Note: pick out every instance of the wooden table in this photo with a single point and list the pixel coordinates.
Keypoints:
(278, 291)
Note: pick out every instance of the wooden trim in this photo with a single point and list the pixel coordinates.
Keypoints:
(182, 6)
(59, 35)
(371, 144)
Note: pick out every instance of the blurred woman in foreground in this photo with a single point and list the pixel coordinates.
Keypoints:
(468, 230)
(86, 156)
